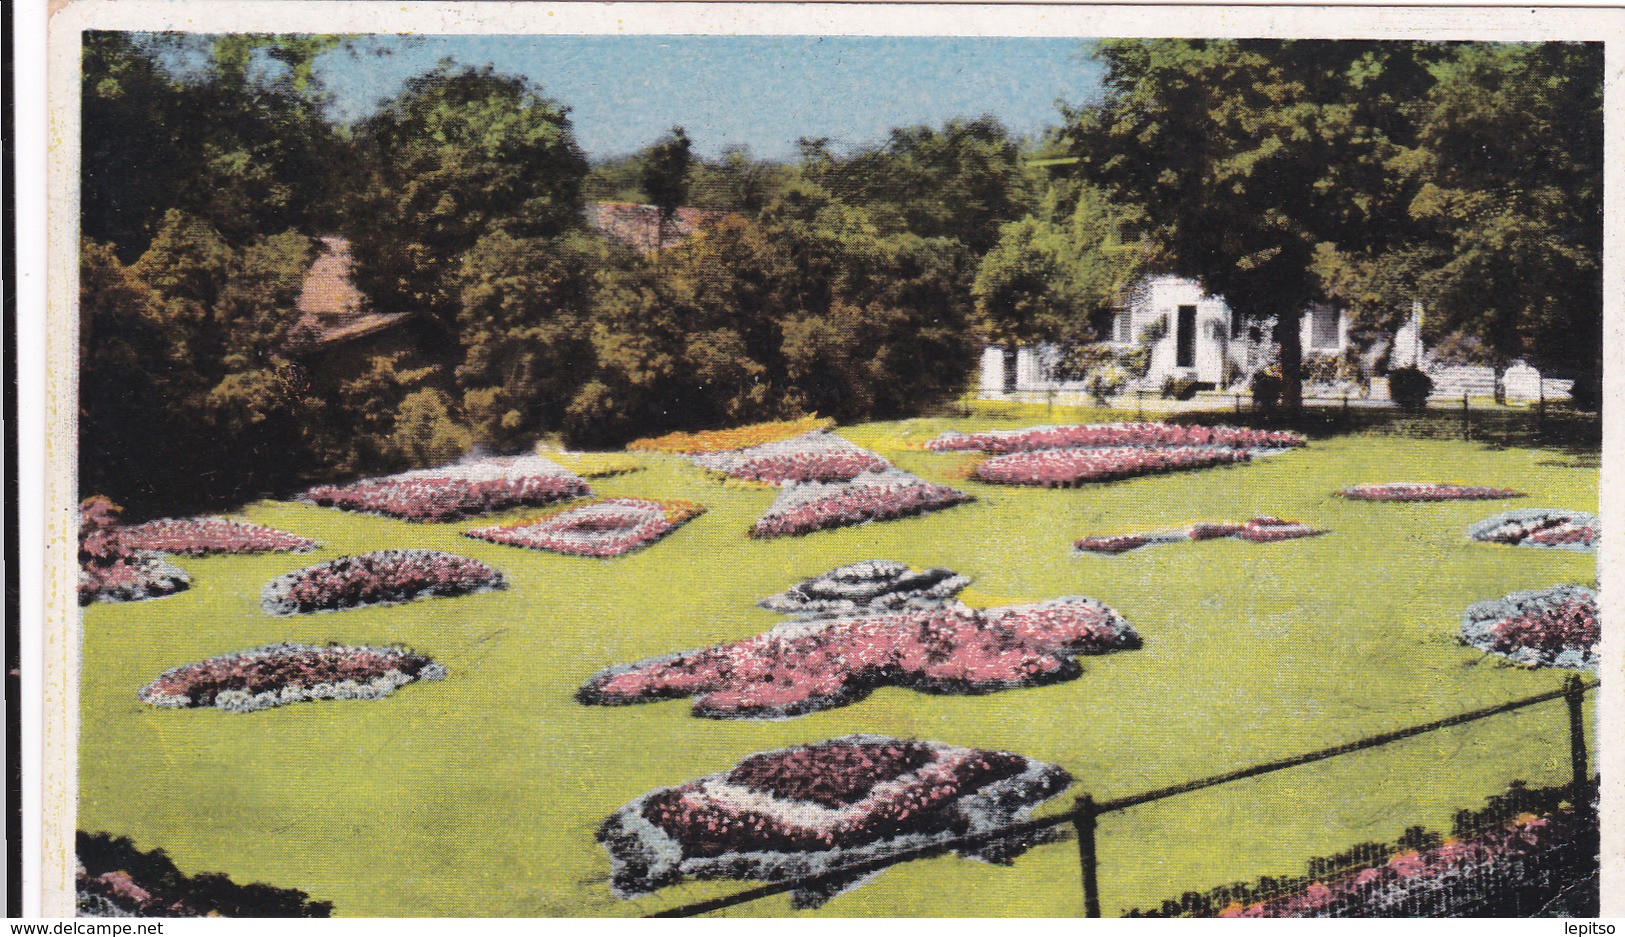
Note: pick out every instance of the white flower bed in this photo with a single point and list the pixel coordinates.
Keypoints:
(869, 586)
(1546, 528)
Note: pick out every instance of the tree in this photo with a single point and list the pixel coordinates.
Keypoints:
(665, 175)
(1246, 155)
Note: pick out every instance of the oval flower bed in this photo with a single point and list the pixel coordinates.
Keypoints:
(878, 496)
(869, 586)
(1114, 435)
(1058, 468)
(1554, 627)
(110, 569)
(199, 536)
(1256, 530)
(812, 809)
(1551, 528)
(818, 456)
(456, 491)
(1423, 491)
(601, 528)
(278, 674)
(804, 667)
(386, 577)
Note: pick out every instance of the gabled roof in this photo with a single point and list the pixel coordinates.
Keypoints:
(331, 309)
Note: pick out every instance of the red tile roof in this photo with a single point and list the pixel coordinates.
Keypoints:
(638, 226)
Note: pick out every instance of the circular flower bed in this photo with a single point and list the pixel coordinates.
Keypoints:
(870, 586)
(386, 577)
(813, 809)
(1422, 491)
(456, 491)
(1550, 528)
(879, 496)
(1058, 468)
(603, 528)
(1256, 530)
(1114, 435)
(1554, 627)
(278, 674)
(804, 667)
(812, 457)
(199, 536)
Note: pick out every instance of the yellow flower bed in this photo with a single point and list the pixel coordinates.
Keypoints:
(722, 440)
(676, 510)
(592, 464)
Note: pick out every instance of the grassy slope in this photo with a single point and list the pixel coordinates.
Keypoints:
(480, 795)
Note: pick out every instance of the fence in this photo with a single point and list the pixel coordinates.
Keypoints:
(1084, 815)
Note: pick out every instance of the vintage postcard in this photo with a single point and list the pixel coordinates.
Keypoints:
(613, 460)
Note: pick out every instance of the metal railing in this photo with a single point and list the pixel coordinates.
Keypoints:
(1084, 815)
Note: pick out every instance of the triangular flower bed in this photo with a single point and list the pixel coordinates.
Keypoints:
(1425, 491)
(1256, 530)
(278, 674)
(1554, 627)
(877, 496)
(1114, 435)
(601, 528)
(450, 492)
(386, 577)
(866, 588)
(201, 536)
(813, 809)
(803, 667)
(1548, 528)
(1063, 468)
(819, 456)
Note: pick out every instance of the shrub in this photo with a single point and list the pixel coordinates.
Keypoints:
(1266, 390)
(118, 880)
(1409, 388)
(1179, 388)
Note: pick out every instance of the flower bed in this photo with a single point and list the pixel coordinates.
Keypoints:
(739, 437)
(602, 528)
(456, 491)
(813, 809)
(804, 667)
(867, 587)
(879, 496)
(278, 674)
(1256, 530)
(1423, 491)
(1053, 468)
(199, 536)
(110, 569)
(818, 456)
(1114, 435)
(115, 879)
(387, 577)
(1550, 528)
(592, 464)
(1554, 627)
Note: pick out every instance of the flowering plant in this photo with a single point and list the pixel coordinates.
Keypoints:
(1065, 467)
(740, 437)
(592, 464)
(278, 674)
(1424, 491)
(386, 577)
(812, 809)
(869, 586)
(1257, 530)
(804, 508)
(603, 527)
(110, 568)
(1554, 627)
(819, 456)
(198, 536)
(1551, 528)
(806, 666)
(1114, 435)
(455, 491)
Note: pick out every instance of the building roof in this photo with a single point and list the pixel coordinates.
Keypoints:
(331, 309)
(638, 226)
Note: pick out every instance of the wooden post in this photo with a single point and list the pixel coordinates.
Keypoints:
(1575, 696)
(1345, 406)
(1238, 402)
(1084, 820)
(1466, 426)
(1139, 405)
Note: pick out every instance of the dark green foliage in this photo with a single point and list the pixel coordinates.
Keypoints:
(665, 172)
(1266, 390)
(1180, 388)
(175, 894)
(1409, 388)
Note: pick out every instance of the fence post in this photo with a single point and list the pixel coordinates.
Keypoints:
(1084, 819)
(1466, 427)
(1139, 405)
(1575, 696)
(1238, 403)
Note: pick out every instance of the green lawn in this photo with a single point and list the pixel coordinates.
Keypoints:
(479, 795)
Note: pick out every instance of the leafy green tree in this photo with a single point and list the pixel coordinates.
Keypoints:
(665, 174)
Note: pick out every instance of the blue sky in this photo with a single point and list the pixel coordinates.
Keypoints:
(759, 91)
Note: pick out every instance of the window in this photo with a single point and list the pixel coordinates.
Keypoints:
(1323, 329)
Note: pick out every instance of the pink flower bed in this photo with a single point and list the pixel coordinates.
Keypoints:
(386, 577)
(111, 569)
(1114, 435)
(804, 508)
(456, 491)
(203, 535)
(1419, 491)
(812, 809)
(603, 528)
(804, 667)
(1550, 528)
(278, 674)
(1063, 467)
(1554, 627)
(818, 456)
(1256, 530)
